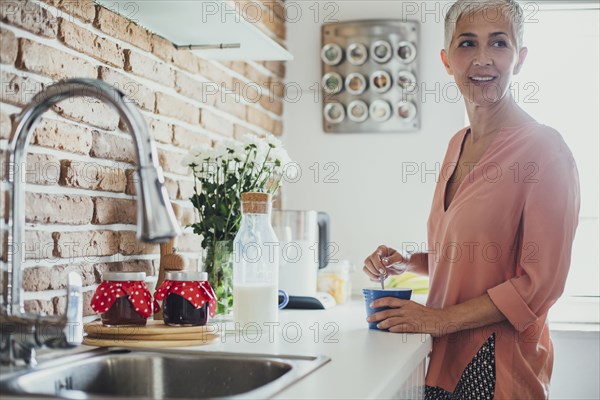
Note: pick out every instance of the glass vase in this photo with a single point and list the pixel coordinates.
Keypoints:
(218, 263)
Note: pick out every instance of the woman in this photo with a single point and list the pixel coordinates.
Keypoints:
(501, 226)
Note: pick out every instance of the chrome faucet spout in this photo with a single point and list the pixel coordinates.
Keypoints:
(156, 219)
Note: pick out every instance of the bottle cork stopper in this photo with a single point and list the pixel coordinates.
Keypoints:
(256, 203)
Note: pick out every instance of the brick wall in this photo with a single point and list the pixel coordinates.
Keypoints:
(80, 208)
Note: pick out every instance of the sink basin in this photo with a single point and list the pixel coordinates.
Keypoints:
(160, 374)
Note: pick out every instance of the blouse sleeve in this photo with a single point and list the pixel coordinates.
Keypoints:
(549, 220)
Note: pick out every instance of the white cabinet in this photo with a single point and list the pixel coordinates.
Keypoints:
(203, 22)
(414, 387)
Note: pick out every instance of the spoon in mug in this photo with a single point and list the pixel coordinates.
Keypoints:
(398, 266)
(381, 275)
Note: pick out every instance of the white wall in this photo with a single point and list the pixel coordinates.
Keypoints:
(576, 365)
(370, 204)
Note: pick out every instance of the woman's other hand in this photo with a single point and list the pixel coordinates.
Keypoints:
(408, 316)
(384, 260)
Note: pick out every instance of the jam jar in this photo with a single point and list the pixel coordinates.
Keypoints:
(123, 299)
(188, 298)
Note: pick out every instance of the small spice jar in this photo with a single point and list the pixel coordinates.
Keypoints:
(123, 299)
(332, 83)
(334, 113)
(332, 54)
(188, 298)
(358, 111)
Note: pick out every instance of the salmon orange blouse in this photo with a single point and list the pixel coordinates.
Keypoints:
(508, 232)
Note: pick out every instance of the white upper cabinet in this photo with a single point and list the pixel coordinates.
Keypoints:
(203, 23)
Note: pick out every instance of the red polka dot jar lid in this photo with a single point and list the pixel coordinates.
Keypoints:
(192, 286)
(123, 285)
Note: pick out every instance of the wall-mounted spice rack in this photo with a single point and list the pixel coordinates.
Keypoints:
(369, 80)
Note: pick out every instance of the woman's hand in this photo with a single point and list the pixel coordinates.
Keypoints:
(380, 260)
(408, 316)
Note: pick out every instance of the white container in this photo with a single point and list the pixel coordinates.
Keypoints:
(355, 83)
(407, 52)
(335, 280)
(380, 110)
(334, 113)
(332, 54)
(357, 53)
(303, 237)
(255, 264)
(332, 83)
(406, 110)
(407, 81)
(298, 268)
(381, 51)
(381, 81)
(358, 111)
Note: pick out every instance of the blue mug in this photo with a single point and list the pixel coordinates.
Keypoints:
(374, 294)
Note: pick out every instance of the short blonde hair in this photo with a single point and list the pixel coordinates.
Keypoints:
(510, 8)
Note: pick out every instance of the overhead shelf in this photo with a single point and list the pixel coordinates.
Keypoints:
(202, 23)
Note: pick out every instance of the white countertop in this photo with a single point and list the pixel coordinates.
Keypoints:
(365, 364)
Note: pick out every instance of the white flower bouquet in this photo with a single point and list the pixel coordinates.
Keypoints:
(222, 173)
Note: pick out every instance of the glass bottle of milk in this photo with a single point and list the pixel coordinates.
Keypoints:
(255, 264)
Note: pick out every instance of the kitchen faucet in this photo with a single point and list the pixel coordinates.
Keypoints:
(22, 333)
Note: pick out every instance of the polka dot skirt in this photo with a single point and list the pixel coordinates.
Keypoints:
(478, 379)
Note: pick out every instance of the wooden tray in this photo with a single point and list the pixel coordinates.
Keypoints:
(155, 344)
(154, 334)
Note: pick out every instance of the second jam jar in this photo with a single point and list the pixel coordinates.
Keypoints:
(123, 299)
(188, 298)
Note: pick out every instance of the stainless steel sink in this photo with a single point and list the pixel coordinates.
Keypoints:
(160, 374)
